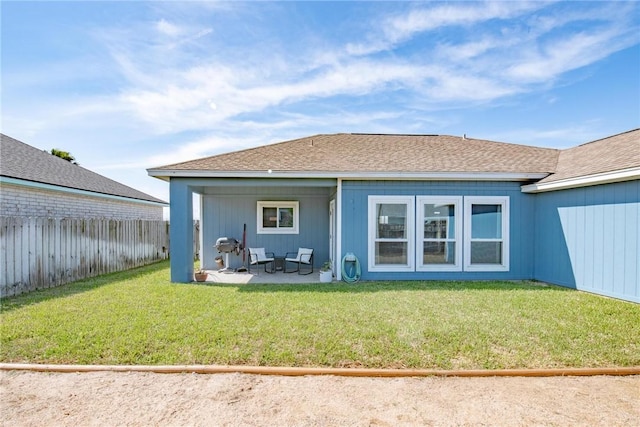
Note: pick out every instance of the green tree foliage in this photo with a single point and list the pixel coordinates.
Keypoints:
(64, 155)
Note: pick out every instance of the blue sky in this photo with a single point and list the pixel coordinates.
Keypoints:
(125, 86)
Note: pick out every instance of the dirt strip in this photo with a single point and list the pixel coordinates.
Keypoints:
(235, 399)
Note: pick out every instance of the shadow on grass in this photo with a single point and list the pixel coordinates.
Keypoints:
(79, 286)
(413, 285)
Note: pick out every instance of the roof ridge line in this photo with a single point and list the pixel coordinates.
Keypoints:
(600, 139)
(398, 134)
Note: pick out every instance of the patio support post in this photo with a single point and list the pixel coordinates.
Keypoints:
(181, 231)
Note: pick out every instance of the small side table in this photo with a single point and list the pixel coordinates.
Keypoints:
(279, 263)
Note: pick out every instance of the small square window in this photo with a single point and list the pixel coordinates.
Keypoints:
(275, 217)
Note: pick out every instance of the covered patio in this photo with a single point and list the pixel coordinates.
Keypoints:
(231, 207)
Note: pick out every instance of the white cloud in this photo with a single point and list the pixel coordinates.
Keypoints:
(571, 52)
(168, 29)
(424, 19)
(402, 27)
(191, 38)
(186, 103)
(461, 86)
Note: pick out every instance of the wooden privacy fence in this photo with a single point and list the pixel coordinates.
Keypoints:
(39, 253)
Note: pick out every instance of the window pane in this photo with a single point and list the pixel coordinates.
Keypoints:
(486, 222)
(439, 253)
(286, 217)
(486, 252)
(439, 221)
(391, 221)
(391, 253)
(269, 217)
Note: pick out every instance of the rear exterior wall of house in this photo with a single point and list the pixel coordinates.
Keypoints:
(225, 211)
(480, 214)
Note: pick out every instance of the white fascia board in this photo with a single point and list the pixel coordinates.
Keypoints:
(584, 181)
(436, 176)
(43, 186)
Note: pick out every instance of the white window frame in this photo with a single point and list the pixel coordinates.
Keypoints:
(469, 201)
(278, 204)
(456, 201)
(410, 233)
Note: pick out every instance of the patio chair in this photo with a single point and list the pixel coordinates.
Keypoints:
(257, 256)
(303, 257)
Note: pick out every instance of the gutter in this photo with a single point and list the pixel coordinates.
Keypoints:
(584, 181)
(296, 371)
(167, 174)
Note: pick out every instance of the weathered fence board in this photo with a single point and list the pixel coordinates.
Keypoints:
(38, 253)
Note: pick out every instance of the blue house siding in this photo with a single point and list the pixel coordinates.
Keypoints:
(589, 239)
(355, 224)
(226, 209)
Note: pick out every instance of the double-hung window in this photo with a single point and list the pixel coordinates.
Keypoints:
(391, 242)
(278, 217)
(486, 224)
(439, 233)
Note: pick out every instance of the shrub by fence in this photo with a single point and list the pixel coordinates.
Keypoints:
(37, 253)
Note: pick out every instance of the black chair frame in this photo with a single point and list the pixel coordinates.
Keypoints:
(272, 261)
(299, 264)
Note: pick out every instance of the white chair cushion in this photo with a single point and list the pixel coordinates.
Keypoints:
(258, 255)
(304, 256)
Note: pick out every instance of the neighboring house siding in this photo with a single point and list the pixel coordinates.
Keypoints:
(17, 200)
(589, 239)
(355, 224)
(225, 213)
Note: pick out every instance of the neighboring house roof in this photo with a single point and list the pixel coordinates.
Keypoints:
(351, 154)
(23, 162)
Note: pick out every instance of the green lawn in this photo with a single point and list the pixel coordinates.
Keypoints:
(139, 317)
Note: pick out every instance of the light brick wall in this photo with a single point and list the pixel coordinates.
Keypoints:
(17, 200)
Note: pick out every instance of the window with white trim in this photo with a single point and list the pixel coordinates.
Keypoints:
(439, 233)
(278, 217)
(449, 233)
(486, 236)
(391, 233)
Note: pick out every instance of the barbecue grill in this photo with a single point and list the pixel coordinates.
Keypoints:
(227, 245)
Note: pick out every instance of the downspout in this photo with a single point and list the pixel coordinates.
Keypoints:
(338, 254)
(201, 258)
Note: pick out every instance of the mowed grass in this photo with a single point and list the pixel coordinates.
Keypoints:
(139, 317)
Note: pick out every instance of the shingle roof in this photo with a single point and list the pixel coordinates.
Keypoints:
(369, 153)
(22, 161)
(614, 153)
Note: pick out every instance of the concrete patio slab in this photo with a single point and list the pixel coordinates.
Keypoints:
(261, 277)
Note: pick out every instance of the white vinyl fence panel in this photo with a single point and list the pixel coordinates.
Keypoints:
(39, 253)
